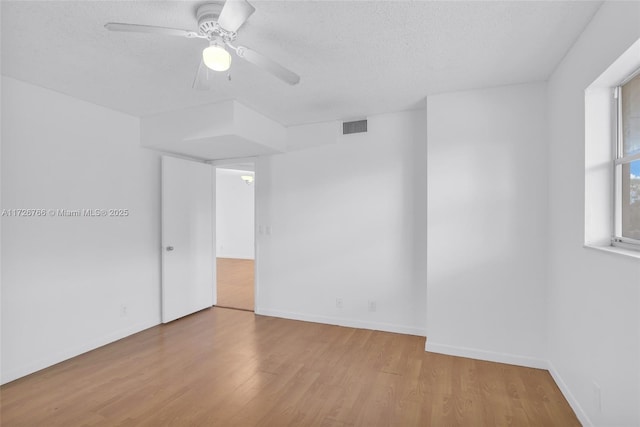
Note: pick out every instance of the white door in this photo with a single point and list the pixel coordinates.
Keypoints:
(188, 253)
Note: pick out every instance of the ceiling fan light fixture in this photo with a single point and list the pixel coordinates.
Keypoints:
(218, 22)
(216, 57)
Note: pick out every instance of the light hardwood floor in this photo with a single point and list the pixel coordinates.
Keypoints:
(235, 283)
(222, 367)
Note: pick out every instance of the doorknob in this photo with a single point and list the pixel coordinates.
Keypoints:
(169, 248)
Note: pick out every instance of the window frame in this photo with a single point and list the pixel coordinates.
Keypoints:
(620, 159)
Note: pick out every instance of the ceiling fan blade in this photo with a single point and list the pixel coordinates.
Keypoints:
(207, 79)
(234, 13)
(271, 66)
(203, 79)
(151, 29)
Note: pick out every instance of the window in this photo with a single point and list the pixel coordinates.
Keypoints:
(612, 157)
(627, 164)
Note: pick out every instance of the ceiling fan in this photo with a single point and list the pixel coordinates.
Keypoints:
(218, 23)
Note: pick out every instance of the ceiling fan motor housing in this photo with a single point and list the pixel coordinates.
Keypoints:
(208, 15)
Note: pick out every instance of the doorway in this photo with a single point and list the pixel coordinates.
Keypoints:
(235, 236)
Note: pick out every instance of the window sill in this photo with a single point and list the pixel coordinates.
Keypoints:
(615, 250)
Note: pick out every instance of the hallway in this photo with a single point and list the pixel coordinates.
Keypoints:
(235, 283)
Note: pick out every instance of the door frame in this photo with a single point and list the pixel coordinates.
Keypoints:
(224, 164)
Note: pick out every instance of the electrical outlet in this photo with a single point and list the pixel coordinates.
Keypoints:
(123, 311)
(338, 302)
(373, 306)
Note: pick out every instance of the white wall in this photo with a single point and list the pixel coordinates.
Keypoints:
(487, 226)
(65, 280)
(347, 221)
(235, 211)
(594, 297)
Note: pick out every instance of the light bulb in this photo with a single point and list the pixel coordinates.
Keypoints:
(216, 58)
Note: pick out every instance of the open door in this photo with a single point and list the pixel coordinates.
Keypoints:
(188, 250)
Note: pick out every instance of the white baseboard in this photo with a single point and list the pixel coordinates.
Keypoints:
(50, 360)
(491, 356)
(232, 256)
(351, 323)
(573, 402)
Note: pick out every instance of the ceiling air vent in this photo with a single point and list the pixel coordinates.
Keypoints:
(358, 126)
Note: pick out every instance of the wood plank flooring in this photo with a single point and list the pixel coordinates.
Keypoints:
(222, 367)
(235, 283)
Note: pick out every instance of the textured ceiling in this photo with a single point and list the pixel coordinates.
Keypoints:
(355, 58)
